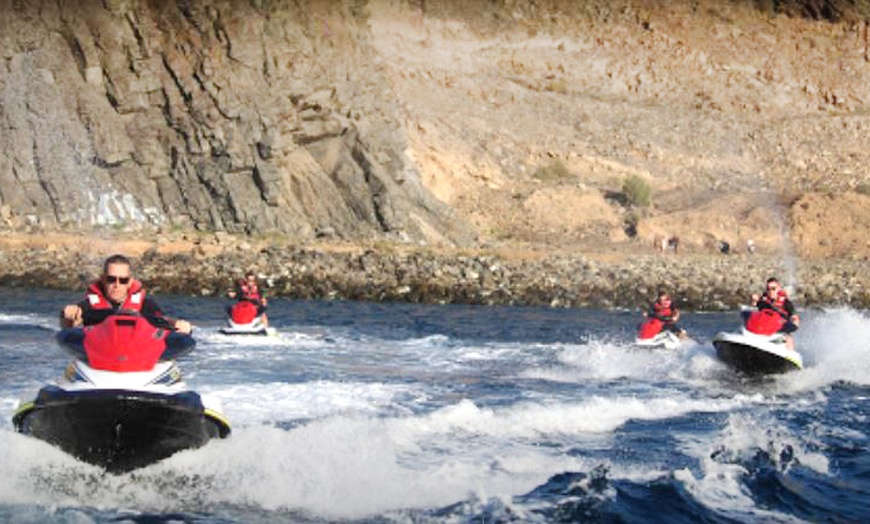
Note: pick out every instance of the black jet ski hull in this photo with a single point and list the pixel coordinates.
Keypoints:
(119, 430)
(755, 359)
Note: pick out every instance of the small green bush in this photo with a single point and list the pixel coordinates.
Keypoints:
(552, 172)
(637, 191)
(863, 188)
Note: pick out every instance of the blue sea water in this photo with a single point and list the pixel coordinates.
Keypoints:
(362, 412)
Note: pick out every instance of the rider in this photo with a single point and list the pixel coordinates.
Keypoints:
(775, 298)
(117, 290)
(664, 310)
(247, 289)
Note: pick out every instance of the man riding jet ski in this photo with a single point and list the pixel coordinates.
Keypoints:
(248, 315)
(116, 290)
(765, 343)
(121, 404)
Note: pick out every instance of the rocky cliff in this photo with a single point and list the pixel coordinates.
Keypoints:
(441, 122)
(235, 116)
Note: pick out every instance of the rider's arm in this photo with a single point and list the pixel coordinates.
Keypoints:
(73, 315)
(792, 312)
(95, 316)
(753, 299)
(155, 316)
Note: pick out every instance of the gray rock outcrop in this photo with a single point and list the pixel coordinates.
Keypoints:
(246, 117)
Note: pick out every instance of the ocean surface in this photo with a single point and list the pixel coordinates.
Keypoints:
(362, 412)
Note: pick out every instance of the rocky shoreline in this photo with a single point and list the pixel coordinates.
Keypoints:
(386, 273)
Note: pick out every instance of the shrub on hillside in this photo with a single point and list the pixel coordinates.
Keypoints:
(554, 171)
(637, 191)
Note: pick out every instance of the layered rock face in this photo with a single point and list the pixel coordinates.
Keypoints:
(488, 124)
(246, 117)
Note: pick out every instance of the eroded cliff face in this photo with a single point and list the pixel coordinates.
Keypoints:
(529, 116)
(508, 123)
(228, 116)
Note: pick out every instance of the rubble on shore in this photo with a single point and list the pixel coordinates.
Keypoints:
(698, 281)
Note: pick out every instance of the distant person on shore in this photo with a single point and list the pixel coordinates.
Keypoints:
(674, 243)
(116, 290)
(663, 309)
(247, 289)
(775, 298)
(750, 246)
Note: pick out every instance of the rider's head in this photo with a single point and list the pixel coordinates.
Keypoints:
(250, 277)
(773, 286)
(664, 297)
(117, 277)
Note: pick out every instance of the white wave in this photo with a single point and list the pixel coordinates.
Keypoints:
(535, 420)
(340, 467)
(427, 342)
(606, 361)
(370, 463)
(836, 347)
(30, 319)
(282, 338)
(720, 481)
(253, 404)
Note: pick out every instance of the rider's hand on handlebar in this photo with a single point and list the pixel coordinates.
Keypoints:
(71, 316)
(183, 326)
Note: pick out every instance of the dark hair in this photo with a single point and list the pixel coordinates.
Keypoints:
(250, 274)
(116, 259)
(772, 279)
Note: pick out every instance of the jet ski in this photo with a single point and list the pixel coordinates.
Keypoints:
(122, 404)
(759, 347)
(243, 319)
(651, 335)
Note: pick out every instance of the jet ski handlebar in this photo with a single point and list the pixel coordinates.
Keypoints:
(125, 341)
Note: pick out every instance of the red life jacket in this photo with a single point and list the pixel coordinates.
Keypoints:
(134, 301)
(662, 312)
(250, 292)
(776, 303)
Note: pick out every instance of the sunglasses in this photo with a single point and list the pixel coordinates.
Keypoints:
(772, 288)
(112, 279)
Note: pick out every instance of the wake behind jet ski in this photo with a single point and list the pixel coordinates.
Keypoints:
(122, 403)
(764, 343)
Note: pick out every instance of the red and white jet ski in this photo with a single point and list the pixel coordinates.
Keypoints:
(651, 334)
(122, 404)
(243, 319)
